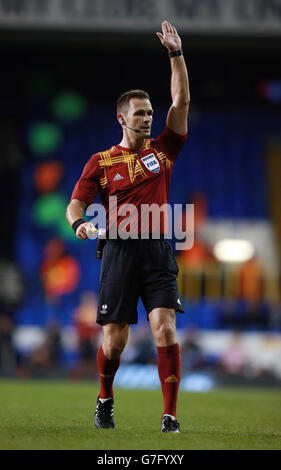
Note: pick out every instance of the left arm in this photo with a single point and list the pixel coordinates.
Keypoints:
(178, 112)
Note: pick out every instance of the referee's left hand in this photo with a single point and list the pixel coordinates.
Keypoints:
(169, 37)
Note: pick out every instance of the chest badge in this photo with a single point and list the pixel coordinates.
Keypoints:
(151, 163)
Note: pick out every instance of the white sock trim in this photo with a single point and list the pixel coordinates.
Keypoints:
(171, 416)
(103, 400)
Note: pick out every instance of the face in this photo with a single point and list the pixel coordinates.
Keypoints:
(139, 115)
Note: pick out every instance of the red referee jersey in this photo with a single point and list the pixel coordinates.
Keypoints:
(133, 176)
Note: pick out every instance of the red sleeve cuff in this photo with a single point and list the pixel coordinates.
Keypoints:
(170, 142)
(86, 194)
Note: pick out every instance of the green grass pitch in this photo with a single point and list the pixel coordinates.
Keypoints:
(39, 415)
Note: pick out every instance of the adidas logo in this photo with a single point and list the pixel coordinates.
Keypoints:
(171, 378)
(117, 177)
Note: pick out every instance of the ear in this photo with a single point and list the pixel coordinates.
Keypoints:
(121, 119)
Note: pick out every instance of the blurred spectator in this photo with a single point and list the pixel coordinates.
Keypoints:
(46, 358)
(140, 347)
(257, 316)
(275, 315)
(192, 357)
(60, 272)
(251, 280)
(244, 315)
(7, 355)
(267, 364)
(47, 176)
(201, 252)
(11, 297)
(251, 283)
(229, 313)
(234, 359)
(11, 286)
(88, 332)
(145, 352)
(198, 255)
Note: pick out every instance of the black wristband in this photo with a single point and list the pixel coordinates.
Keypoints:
(76, 224)
(175, 53)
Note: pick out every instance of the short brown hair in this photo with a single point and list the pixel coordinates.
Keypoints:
(124, 99)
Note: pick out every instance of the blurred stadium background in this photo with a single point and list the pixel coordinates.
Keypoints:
(63, 65)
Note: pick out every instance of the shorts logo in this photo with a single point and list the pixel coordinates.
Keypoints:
(104, 309)
(151, 163)
(179, 302)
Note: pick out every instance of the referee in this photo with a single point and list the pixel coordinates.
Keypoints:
(138, 171)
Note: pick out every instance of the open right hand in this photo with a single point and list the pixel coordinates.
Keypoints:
(169, 37)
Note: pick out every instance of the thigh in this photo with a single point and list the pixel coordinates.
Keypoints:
(119, 287)
(159, 278)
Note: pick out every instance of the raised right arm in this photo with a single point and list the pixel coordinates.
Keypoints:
(178, 112)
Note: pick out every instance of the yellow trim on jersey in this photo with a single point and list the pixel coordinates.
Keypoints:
(139, 169)
(128, 158)
(164, 159)
(103, 181)
(147, 144)
(134, 166)
(107, 160)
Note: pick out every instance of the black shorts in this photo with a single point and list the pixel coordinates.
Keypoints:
(133, 269)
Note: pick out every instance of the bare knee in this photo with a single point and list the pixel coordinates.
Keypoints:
(114, 340)
(113, 349)
(165, 333)
(163, 326)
